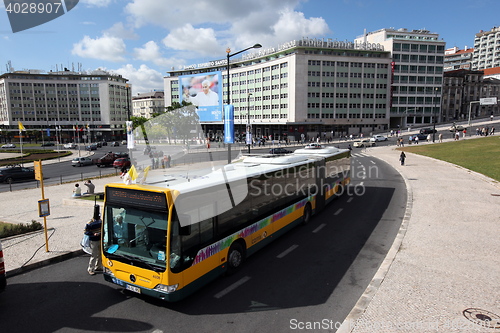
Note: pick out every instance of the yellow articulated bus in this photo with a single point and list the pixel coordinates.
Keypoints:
(168, 241)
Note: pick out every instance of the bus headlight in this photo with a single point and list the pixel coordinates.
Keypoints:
(166, 289)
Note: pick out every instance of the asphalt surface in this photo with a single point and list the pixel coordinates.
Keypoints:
(440, 275)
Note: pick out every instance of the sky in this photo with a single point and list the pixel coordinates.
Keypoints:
(143, 39)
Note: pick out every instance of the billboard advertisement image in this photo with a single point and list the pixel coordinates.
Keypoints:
(205, 92)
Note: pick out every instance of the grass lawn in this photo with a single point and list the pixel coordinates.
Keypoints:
(4, 225)
(480, 154)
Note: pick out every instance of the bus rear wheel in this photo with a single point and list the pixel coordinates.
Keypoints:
(307, 214)
(235, 258)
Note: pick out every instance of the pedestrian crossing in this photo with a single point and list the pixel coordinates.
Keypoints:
(359, 154)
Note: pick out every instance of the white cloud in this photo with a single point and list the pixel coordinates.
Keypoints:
(105, 48)
(151, 52)
(187, 38)
(142, 79)
(204, 28)
(290, 25)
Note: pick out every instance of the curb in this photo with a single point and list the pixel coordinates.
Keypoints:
(56, 259)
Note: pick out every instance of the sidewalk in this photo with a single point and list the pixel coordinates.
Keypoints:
(445, 259)
(443, 262)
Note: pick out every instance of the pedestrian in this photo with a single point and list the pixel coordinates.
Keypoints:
(416, 139)
(402, 158)
(428, 138)
(90, 187)
(77, 190)
(440, 137)
(123, 171)
(93, 230)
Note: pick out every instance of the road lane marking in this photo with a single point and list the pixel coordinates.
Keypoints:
(232, 287)
(319, 228)
(284, 253)
(350, 199)
(338, 211)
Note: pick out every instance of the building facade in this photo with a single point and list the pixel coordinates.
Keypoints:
(486, 49)
(418, 58)
(147, 104)
(454, 58)
(303, 89)
(95, 103)
(462, 93)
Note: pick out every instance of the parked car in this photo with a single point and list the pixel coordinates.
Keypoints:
(279, 151)
(10, 174)
(115, 144)
(455, 128)
(109, 158)
(363, 143)
(91, 147)
(3, 278)
(47, 144)
(377, 138)
(421, 137)
(121, 162)
(427, 130)
(81, 161)
(9, 145)
(314, 146)
(70, 146)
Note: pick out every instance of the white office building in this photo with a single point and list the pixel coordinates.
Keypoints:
(302, 88)
(486, 49)
(418, 58)
(97, 103)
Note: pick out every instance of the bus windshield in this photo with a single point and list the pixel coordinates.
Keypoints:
(135, 236)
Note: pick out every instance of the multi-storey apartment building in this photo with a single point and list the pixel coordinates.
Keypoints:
(98, 102)
(454, 58)
(418, 57)
(147, 104)
(303, 88)
(486, 49)
(462, 93)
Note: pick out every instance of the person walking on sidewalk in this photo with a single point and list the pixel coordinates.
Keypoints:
(93, 230)
(402, 158)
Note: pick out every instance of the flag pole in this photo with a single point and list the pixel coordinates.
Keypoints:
(21, 141)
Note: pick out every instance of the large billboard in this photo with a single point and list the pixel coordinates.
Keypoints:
(205, 92)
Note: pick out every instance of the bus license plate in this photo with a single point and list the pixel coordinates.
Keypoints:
(134, 289)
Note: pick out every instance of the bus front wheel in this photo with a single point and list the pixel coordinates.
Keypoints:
(235, 258)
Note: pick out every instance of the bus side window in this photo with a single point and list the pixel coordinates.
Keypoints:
(190, 245)
(206, 231)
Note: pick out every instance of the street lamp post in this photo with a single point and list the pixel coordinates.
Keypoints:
(249, 129)
(229, 55)
(434, 116)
